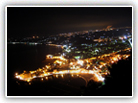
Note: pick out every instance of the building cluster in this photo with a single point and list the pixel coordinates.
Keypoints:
(98, 35)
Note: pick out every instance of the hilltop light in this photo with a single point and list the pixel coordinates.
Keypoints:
(49, 56)
(57, 76)
(16, 74)
(46, 77)
(71, 63)
(28, 80)
(68, 50)
(63, 54)
(80, 62)
(125, 37)
(62, 75)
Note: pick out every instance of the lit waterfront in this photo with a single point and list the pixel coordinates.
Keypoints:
(83, 66)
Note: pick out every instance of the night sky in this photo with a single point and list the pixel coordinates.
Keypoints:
(42, 21)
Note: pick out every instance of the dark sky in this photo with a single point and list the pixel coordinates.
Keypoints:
(28, 21)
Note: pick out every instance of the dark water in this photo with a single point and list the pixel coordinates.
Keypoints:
(26, 57)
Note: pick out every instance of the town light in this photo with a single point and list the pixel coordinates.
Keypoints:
(97, 71)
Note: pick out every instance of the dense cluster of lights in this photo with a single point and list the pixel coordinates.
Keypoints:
(86, 66)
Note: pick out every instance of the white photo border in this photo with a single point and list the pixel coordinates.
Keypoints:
(62, 96)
